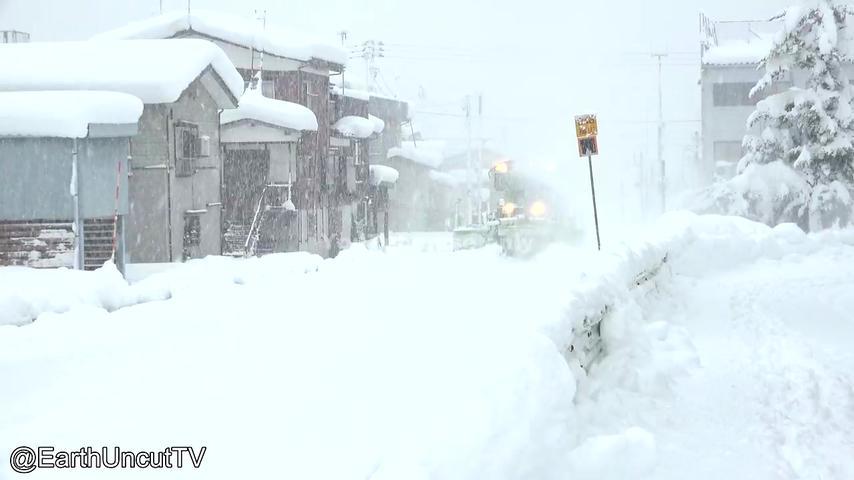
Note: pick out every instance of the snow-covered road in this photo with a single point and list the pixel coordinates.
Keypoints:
(420, 363)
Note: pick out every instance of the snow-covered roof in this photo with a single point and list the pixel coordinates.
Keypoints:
(446, 178)
(155, 71)
(64, 114)
(233, 29)
(427, 153)
(353, 126)
(358, 91)
(738, 52)
(379, 124)
(383, 174)
(350, 93)
(255, 106)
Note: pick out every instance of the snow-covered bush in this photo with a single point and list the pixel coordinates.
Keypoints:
(800, 167)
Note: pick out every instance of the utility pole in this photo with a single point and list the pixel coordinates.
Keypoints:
(371, 51)
(469, 161)
(479, 155)
(661, 162)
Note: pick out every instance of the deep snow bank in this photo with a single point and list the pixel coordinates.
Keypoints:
(27, 293)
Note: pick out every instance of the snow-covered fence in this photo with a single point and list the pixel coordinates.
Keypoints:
(587, 345)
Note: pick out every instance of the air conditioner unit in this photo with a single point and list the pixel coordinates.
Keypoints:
(204, 146)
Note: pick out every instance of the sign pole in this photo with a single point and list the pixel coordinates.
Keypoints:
(587, 129)
(593, 193)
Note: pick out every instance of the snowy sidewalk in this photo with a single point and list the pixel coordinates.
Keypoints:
(773, 396)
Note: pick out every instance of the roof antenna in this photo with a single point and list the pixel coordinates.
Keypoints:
(188, 7)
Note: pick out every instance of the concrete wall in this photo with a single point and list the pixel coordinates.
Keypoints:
(35, 175)
(148, 231)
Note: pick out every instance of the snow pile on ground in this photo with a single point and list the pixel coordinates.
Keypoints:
(233, 29)
(254, 106)
(769, 193)
(414, 362)
(353, 126)
(155, 71)
(26, 293)
(64, 114)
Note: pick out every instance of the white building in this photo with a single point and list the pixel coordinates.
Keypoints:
(730, 56)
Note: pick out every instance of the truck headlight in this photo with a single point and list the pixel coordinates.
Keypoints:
(538, 209)
(508, 209)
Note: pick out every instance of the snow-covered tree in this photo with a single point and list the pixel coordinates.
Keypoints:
(809, 129)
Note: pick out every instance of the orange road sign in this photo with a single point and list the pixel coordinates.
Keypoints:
(586, 126)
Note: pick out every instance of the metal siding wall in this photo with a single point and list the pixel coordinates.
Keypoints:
(35, 177)
(196, 191)
(146, 227)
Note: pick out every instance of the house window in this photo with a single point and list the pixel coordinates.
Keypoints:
(268, 88)
(309, 95)
(733, 94)
(186, 148)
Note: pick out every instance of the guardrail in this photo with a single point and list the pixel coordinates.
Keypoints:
(587, 346)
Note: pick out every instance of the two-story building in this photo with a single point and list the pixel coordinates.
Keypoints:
(731, 53)
(260, 143)
(295, 69)
(352, 132)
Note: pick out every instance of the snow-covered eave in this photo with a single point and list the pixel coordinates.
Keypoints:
(424, 158)
(234, 30)
(352, 126)
(69, 114)
(92, 130)
(333, 67)
(277, 114)
(383, 175)
(254, 121)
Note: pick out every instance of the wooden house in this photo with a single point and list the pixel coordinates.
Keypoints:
(296, 70)
(349, 163)
(260, 141)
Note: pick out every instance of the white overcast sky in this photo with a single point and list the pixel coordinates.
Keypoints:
(536, 62)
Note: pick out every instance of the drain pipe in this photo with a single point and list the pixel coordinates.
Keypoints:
(75, 199)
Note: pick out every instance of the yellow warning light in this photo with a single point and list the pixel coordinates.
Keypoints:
(508, 209)
(502, 167)
(538, 209)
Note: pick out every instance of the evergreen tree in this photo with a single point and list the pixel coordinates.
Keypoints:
(810, 129)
